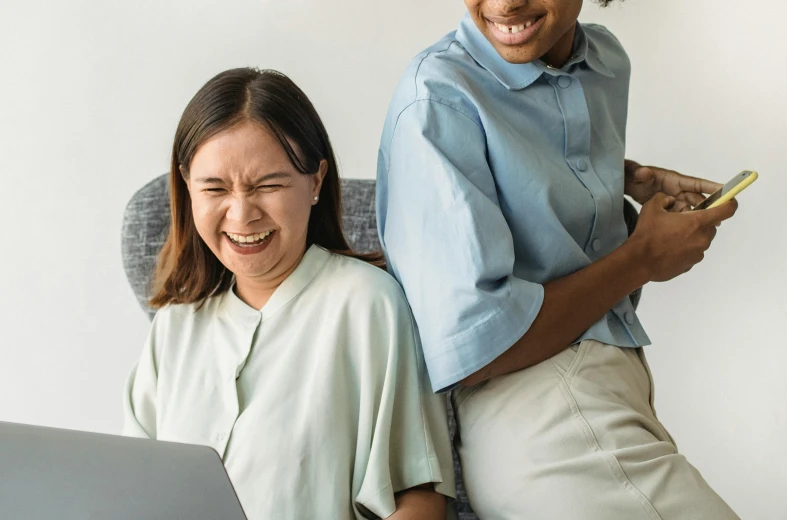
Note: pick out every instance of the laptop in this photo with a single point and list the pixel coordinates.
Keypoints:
(54, 474)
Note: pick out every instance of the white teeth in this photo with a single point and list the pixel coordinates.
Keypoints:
(250, 238)
(515, 28)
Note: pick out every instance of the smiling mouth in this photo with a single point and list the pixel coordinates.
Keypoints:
(249, 240)
(515, 28)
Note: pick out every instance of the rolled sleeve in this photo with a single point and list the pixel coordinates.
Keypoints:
(448, 243)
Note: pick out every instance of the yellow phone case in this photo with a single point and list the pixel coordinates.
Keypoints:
(736, 190)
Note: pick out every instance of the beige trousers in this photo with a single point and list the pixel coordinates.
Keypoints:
(576, 437)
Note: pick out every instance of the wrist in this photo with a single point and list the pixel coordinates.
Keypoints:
(636, 260)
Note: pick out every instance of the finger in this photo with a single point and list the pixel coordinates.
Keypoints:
(643, 173)
(680, 206)
(694, 199)
(719, 214)
(697, 185)
(663, 201)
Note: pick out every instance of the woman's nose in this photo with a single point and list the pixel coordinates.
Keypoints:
(243, 209)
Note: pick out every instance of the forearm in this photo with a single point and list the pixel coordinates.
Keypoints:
(571, 305)
(421, 503)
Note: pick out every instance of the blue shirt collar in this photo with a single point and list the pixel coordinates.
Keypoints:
(516, 76)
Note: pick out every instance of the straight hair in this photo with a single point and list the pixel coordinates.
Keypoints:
(187, 270)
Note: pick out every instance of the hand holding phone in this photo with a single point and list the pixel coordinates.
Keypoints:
(736, 185)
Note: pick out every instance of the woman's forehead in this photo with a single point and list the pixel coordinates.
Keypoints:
(241, 152)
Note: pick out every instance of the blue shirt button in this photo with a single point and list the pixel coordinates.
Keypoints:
(629, 318)
(582, 165)
(564, 81)
(596, 245)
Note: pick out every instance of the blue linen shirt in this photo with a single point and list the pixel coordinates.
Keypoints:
(494, 178)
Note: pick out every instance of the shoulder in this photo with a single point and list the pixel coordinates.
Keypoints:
(607, 47)
(443, 74)
(361, 279)
(600, 35)
(363, 289)
(371, 309)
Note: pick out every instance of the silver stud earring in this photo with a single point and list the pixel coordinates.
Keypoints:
(316, 198)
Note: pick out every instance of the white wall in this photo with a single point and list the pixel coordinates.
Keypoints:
(91, 91)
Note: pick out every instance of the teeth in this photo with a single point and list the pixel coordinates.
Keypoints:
(249, 239)
(514, 28)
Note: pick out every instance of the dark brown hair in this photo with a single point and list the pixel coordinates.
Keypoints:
(187, 270)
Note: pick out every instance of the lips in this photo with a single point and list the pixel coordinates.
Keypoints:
(513, 28)
(515, 31)
(254, 244)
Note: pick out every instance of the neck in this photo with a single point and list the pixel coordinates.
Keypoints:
(255, 292)
(559, 54)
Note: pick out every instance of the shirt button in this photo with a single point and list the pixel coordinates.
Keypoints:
(582, 165)
(629, 318)
(564, 81)
(596, 245)
(221, 436)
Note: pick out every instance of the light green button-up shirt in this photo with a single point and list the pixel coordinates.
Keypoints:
(318, 404)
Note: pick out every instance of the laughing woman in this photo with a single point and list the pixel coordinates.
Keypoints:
(291, 356)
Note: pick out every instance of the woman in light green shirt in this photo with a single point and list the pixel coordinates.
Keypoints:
(294, 358)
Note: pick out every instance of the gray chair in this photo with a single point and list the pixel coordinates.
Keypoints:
(146, 223)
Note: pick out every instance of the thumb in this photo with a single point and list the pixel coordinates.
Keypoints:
(720, 213)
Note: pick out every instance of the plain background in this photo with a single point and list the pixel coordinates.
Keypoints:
(91, 92)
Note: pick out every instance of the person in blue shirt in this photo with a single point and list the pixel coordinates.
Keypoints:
(500, 196)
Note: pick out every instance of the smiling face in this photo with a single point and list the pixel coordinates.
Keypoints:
(250, 205)
(526, 30)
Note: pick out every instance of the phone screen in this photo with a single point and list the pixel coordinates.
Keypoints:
(723, 191)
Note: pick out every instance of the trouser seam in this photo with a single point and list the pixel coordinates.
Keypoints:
(593, 444)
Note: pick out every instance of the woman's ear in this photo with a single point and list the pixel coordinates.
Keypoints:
(319, 177)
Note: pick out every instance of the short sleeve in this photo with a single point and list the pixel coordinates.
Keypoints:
(447, 242)
(403, 434)
(140, 398)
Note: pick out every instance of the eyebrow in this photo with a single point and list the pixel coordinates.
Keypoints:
(264, 178)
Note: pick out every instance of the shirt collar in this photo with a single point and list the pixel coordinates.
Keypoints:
(516, 76)
(310, 265)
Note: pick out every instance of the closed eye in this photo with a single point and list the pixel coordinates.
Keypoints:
(214, 190)
(268, 187)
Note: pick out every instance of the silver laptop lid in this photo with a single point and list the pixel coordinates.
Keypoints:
(53, 474)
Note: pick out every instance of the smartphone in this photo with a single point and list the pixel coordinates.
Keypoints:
(736, 185)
